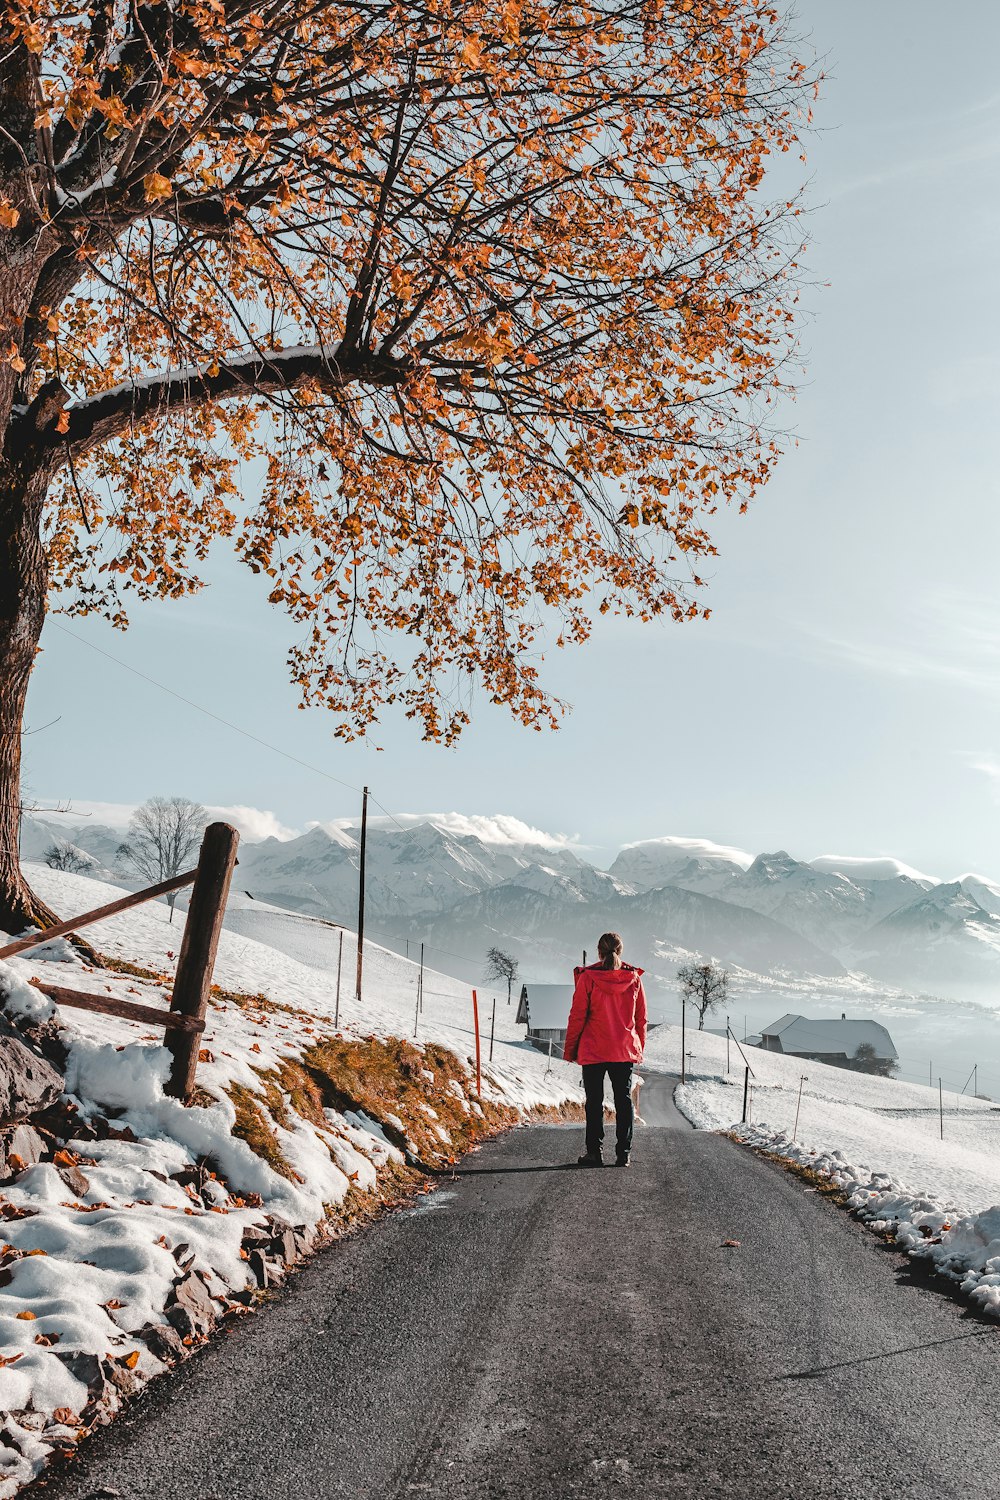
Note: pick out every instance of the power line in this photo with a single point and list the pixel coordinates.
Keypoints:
(236, 728)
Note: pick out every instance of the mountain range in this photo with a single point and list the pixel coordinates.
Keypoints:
(461, 894)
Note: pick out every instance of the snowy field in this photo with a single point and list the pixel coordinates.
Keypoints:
(95, 1247)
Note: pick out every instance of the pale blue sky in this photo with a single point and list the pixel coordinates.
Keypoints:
(845, 697)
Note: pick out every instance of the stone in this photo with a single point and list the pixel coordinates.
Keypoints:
(20, 1147)
(192, 1311)
(28, 1083)
(121, 1377)
(86, 1368)
(75, 1180)
(164, 1341)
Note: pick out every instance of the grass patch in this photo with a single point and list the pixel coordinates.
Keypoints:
(391, 1077)
(260, 1003)
(253, 1126)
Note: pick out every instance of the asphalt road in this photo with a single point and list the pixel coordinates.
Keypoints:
(534, 1330)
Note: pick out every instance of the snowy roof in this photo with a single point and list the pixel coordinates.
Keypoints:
(802, 1034)
(548, 1004)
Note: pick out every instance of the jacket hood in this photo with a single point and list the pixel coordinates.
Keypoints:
(624, 975)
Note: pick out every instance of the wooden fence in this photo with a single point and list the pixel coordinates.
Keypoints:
(185, 1020)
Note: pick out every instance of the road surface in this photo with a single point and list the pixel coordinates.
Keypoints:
(533, 1330)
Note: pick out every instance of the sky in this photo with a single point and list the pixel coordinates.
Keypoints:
(845, 696)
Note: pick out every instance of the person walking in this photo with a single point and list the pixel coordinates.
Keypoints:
(607, 1034)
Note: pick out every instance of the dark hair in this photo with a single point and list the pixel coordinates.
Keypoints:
(609, 950)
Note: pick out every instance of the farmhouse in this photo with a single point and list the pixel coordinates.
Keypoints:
(544, 1009)
(827, 1041)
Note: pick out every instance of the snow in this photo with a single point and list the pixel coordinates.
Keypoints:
(876, 867)
(878, 1140)
(96, 1262)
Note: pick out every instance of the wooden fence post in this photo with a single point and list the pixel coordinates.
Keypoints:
(193, 980)
(479, 1065)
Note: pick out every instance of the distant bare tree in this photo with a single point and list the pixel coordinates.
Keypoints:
(502, 966)
(163, 837)
(705, 986)
(63, 855)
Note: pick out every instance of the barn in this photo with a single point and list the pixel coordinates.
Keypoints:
(544, 1009)
(826, 1041)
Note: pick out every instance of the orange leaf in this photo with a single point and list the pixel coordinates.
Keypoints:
(157, 186)
(26, 1317)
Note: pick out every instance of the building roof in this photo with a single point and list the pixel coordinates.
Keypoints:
(548, 1005)
(803, 1035)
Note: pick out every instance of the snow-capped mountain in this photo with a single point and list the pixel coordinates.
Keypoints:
(547, 934)
(467, 884)
(654, 863)
(946, 941)
(409, 872)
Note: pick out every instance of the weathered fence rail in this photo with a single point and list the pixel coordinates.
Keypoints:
(185, 1020)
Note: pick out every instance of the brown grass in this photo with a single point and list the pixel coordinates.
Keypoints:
(253, 1126)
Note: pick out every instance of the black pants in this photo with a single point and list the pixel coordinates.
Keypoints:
(620, 1074)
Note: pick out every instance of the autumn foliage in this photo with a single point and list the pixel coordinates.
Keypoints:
(456, 319)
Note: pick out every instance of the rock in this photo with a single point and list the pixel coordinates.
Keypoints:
(75, 1180)
(305, 1238)
(87, 1369)
(285, 1248)
(20, 1147)
(192, 1311)
(164, 1341)
(267, 1272)
(258, 1267)
(120, 1376)
(28, 1083)
(254, 1237)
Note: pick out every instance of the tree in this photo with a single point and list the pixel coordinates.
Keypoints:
(502, 966)
(489, 290)
(866, 1060)
(163, 839)
(705, 986)
(62, 855)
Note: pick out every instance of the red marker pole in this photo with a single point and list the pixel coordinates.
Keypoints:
(479, 1066)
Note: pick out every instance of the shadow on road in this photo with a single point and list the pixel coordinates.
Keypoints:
(554, 1166)
(866, 1359)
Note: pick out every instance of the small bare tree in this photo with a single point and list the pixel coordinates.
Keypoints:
(502, 966)
(163, 836)
(705, 986)
(62, 855)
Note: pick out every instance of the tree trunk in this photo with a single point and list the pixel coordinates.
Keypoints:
(23, 587)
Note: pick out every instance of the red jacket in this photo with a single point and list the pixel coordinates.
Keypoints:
(608, 1020)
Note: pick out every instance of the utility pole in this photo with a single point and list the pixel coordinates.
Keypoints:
(727, 1046)
(361, 891)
